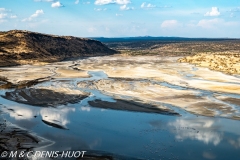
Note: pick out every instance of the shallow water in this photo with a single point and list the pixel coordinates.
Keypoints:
(131, 134)
(124, 133)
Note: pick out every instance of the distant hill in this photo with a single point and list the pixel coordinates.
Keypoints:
(171, 46)
(18, 46)
(162, 39)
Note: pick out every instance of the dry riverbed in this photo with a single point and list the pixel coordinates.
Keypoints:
(149, 79)
(142, 84)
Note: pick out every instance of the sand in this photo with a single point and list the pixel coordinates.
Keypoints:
(150, 92)
(70, 73)
(136, 77)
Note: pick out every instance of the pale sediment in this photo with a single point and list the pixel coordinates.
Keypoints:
(163, 69)
(235, 101)
(146, 78)
(147, 91)
(70, 73)
(19, 75)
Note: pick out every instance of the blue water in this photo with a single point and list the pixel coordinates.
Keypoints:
(129, 134)
(138, 135)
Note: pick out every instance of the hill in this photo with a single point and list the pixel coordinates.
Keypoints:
(19, 47)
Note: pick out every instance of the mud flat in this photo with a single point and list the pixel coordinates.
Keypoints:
(163, 69)
(165, 80)
(43, 97)
(28, 75)
(70, 73)
(150, 91)
(131, 106)
(23, 74)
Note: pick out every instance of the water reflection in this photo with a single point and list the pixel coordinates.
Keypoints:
(234, 143)
(209, 155)
(128, 133)
(86, 108)
(196, 129)
(137, 135)
(22, 113)
(54, 115)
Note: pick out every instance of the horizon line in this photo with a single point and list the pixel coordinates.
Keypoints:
(146, 36)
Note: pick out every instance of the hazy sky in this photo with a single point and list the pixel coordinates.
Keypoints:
(118, 18)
